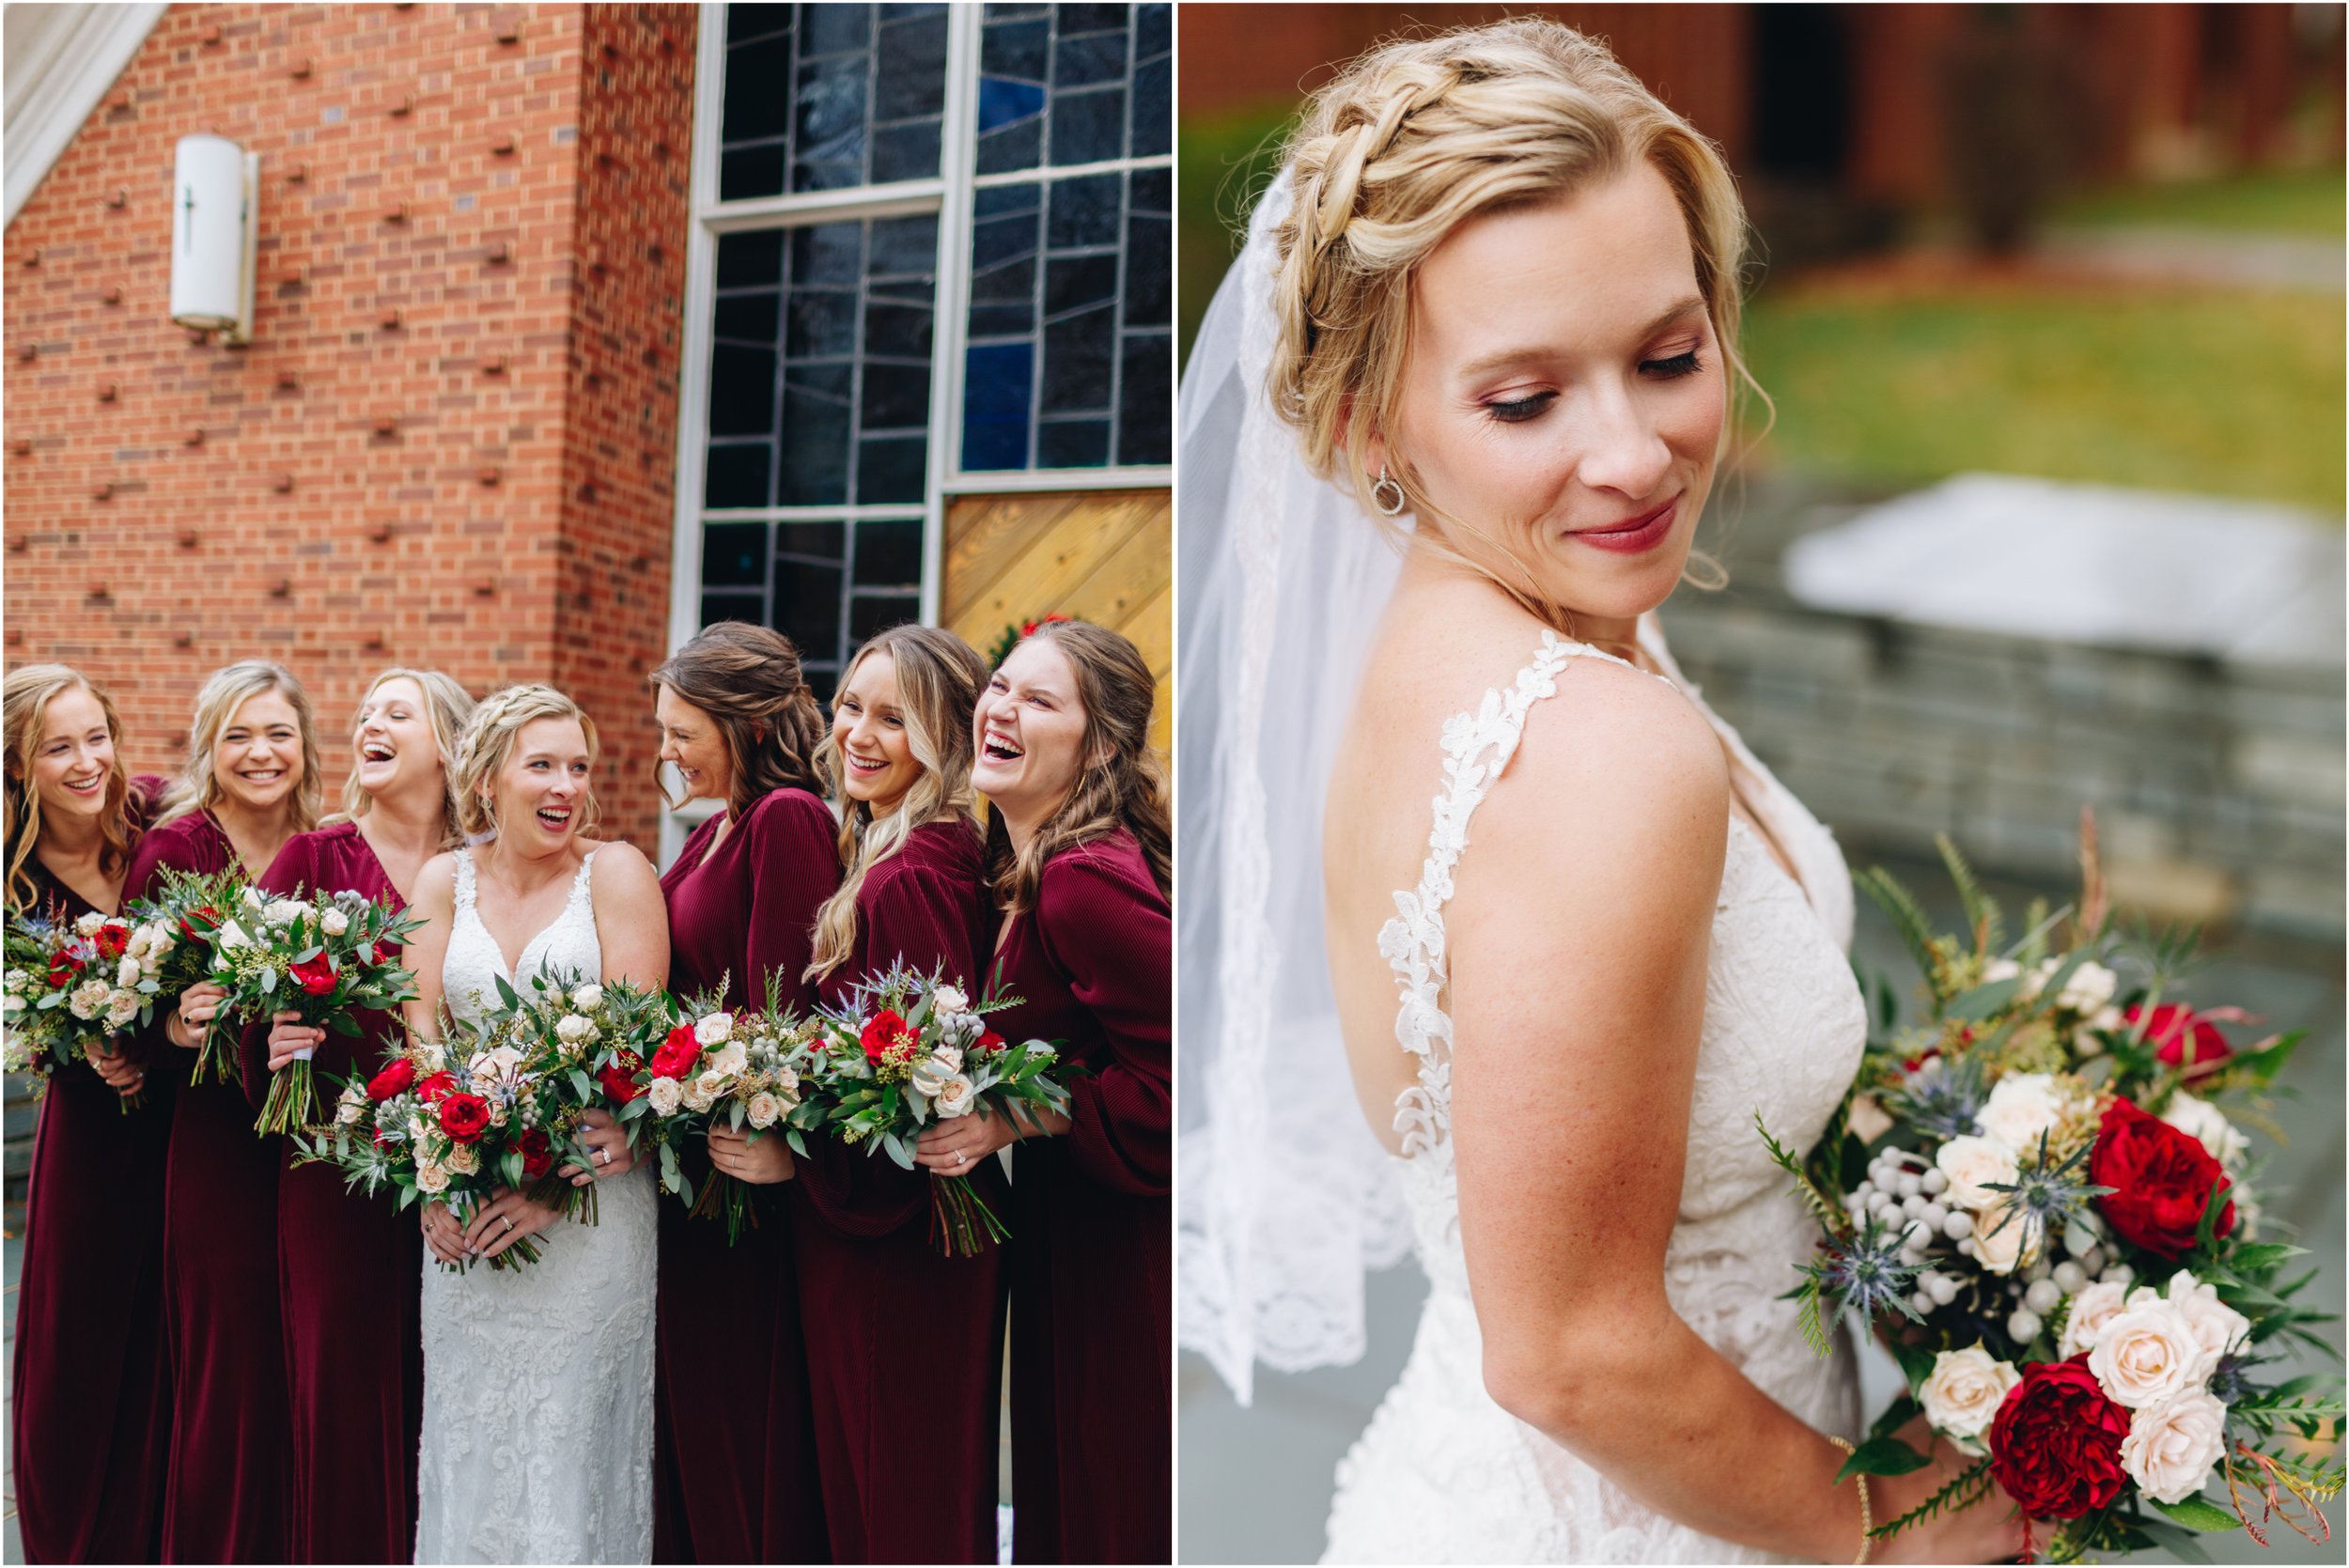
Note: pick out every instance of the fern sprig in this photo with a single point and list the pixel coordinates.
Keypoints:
(1965, 1489)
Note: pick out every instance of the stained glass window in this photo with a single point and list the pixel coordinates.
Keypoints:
(825, 97)
(826, 585)
(1061, 85)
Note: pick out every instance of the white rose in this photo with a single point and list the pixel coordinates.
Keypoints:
(1868, 1121)
(285, 911)
(2090, 987)
(1971, 1162)
(712, 1084)
(2217, 1328)
(13, 1004)
(948, 1000)
(665, 1094)
(462, 1161)
(2091, 1309)
(333, 922)
(1962, 1392)
(89, 998)
(252, 899)
(713, 1029)
(431, 1177)
(349, 1112)
(1999, 1241)
(588, 998)
(697, 1098)
(127, 972)
(950, 1056)
(2020, 1107)
(573, 1028)
(787, 1078)
(2147, 1354)
(763, 1109)
(929, 1076)
(731, 1061)
(91, 923)
(2206, 1123)
(955, 1098)
(2172, 1446)
(230, 935)
(122, 1008)
(2000, 969)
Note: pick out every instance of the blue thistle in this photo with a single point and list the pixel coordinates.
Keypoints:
(2047, 1195)
(1941, 1103)
(1861, 1271)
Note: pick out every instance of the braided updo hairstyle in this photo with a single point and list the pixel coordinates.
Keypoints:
(487, 742)
(747, 679)
(1411, 141)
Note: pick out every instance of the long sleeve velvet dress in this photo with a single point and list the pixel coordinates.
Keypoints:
(224, 1498)
(734, 1461)
(1093, 1253)
(905, 1346)
(91, 1385)
(350, 1281)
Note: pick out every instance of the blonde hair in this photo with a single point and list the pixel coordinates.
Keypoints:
(1411, 142)
(483, 750)
(446, 708)
(197, 788)
(1121, 781)
(747, 679)
(939, 679)
(25, 702)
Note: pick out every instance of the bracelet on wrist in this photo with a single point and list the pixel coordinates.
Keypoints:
(1867, 1520)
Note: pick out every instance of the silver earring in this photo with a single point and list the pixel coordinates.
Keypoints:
(1387, 495)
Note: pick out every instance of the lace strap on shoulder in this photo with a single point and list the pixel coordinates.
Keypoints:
(1477, 746)
(464, 878)
(581, 884)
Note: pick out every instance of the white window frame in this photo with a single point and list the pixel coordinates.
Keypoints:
(950, 195)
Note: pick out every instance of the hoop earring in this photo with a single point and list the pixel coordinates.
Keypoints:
(1380, 491)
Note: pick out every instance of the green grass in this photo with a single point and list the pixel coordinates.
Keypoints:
(1225, 161)
(2224, 393)
(2304, 202)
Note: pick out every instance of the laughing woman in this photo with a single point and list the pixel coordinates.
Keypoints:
(871, 1280)
(251, 783)
(92, 1395)
(734, 1456)
(347, 1261)
(1078, 860)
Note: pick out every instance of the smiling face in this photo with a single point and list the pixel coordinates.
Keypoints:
(869, 729)
(691, 743)
(394, 741)
(1563, 403)
(538, 797)
(74, 756)
(1030, 731)
(257, 762)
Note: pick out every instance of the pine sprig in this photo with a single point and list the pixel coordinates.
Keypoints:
(1965, 1489)
(1824, 1209)
(1982, 910)
(1901, 908)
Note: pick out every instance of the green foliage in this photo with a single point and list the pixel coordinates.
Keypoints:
(1968, 1486)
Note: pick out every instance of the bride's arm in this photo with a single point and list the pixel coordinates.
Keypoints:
(435, 905)
(632, 918)
(1578, 937)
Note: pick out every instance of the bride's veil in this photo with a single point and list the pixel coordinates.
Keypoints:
(1286, 1198)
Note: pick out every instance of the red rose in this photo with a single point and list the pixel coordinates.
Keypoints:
(112, 941)
(989, 1042)
(199, 924)
(886, 1031)
(2174, 1027)
(2055, 1444)
(538, 1154)
(619, 1077)
(2162, 1179)
(400, 1075)
(63, 968)
(317, 976)
(431, 1089)
(380, 954)
(464, 1117)
(677, 1053)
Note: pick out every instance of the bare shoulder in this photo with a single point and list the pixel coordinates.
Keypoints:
(436, 883)
(623, 873)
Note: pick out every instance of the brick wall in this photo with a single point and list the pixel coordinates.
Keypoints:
(434, 450)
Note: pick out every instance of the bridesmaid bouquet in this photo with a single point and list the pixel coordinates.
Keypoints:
(185, 917)
(905, 1051)
(739, 1068)
(583, 1045)
(2036, 1197)
(71, 986)
(326, 957)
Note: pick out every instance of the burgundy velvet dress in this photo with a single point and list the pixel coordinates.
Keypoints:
(734, 1461)
(1093, 1256)
(91, 1385)
(901, 1338)
(350, 1277)
(225, 1500)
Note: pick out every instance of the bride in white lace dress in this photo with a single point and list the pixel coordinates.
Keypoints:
(538, 1381)
(1496, 290)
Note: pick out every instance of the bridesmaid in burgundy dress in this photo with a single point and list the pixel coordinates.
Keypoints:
(872, 1281)
(92, 1395)
(1078, 857)
(347, 1271)
(251, 782)
(734, 1461)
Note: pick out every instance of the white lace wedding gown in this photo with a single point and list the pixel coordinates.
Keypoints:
(1445, 1475)
(538, 1381)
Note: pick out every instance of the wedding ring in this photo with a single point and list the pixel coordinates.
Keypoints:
(510, 1221)
(603, 1156)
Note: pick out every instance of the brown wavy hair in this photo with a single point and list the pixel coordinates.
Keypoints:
(24, 702)
(938, 678)
(1122, 782)
(747, 679)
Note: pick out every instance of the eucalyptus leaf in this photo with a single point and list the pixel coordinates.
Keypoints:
(1881, 1456)
(2199, 1513)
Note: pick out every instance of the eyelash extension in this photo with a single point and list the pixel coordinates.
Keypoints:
(1674, 368)
(1518, 411)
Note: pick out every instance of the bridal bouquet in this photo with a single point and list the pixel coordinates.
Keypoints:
(326, 957)
(71, 986)
(741, 1069)
(904, 1050)
(184, 919)
(2037, 1195)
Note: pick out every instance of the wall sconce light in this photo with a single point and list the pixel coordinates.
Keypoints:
(216, 191)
